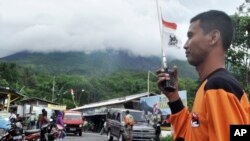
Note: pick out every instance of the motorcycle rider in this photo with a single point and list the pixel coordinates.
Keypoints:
(60, 124)
(44, 119)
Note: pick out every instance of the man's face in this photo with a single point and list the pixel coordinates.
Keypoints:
(197, 45)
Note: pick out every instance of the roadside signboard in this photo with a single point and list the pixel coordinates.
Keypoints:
(159, 104)
(156, 108)
(57, 107)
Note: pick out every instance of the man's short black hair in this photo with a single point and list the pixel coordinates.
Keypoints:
(127, 111)
(216, 20)
(44, 112)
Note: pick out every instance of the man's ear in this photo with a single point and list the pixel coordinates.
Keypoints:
(214, 36)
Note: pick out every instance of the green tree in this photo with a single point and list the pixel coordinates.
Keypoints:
(190, 86)
(238, 56)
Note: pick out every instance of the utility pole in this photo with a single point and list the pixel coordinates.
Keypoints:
(82, 91)
(53, 89)
(149, 79)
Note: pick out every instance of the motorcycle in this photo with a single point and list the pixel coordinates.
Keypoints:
(32, 135)
(15, 133)
(48, 132)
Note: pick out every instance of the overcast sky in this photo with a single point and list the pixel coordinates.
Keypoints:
(87, 25)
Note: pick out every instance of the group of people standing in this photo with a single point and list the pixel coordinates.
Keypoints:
(57, 118)
(34, 122)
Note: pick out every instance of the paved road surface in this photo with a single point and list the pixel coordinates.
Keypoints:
(86, 137)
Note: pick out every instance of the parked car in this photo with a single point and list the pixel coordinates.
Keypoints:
(142, 131)
(73, 122)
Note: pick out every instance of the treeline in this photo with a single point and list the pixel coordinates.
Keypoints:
(87, 89)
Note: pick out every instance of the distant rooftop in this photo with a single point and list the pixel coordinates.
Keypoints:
(114, 101)
(38, 99)
(4, 91)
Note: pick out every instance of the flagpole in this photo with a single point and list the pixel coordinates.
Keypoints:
(164, 58)
(159, 19)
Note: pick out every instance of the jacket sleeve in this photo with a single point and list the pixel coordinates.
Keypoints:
(223, 109)
(178, 118)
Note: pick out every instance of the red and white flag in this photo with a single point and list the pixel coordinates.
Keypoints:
(169, 34)
(169, 25)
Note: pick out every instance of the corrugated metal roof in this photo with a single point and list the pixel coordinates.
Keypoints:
(113, 101)
(15, 95)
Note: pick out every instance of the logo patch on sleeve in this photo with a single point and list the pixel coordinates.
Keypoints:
(195, 120)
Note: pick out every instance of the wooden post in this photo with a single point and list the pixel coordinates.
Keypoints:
(8, 102)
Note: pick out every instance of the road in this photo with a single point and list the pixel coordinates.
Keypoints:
(86, 137)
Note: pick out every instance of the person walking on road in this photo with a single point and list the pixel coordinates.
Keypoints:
(104, 128)
(129, 123)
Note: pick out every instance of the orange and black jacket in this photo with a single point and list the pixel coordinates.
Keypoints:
(220, 102)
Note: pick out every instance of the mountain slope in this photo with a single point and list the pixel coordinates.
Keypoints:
(96, 63)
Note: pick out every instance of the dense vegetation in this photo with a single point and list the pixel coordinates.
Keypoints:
(99, 63)
(238, 56)
(88, 88)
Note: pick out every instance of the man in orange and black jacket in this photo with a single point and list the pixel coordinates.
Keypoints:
(220, 99)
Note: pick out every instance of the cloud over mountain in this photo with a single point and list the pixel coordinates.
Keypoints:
(88, 25)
